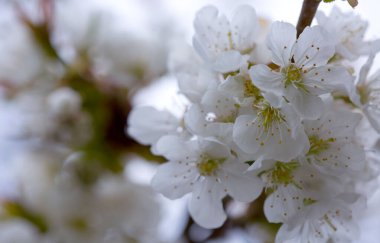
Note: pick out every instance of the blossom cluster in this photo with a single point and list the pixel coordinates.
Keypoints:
(270, 112)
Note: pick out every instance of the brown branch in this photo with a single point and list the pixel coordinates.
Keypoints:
(309, 8)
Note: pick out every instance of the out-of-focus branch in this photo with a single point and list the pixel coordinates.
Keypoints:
(309, 8)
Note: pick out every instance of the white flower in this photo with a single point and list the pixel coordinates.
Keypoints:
(271, 133)
(226, 45)
(312, 206)
(208, 170)
(367, 94)
(303, 73)
(333, 146)
(332, 220)
(346, 31)
(293, 187)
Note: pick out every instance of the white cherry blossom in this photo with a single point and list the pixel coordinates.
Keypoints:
(293, 187)
(334, 148)
(226, 45)
(271, 133)
(332, 220)
(208, 170)
(303, 73)
(346, 31)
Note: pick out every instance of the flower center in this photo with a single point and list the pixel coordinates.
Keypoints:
(208, 166)
(318, 145)
(269, 115)
(251, 90)
(293, 76)
(281, 174)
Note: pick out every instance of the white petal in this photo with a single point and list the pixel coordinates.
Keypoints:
(234, 85)
(373, 116)
(363, 75)
(283, 204)
(245, 132)
(174, 179)
(229, 61)
(242, 186)
(349, 159)
(221, 103)
(313, 48)
(194, 85)
(337, 123)
(214, 149)
(210, 33)
(267, 80)
(147, 125)
(220, 131)
(195, 119)
(261, 54)
(280, 41)
(244, 27)
(206, 206)
(307, 105)
(176, 149)
(288, 234)
(322, 80)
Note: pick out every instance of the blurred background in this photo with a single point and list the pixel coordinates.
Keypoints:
(70, 73)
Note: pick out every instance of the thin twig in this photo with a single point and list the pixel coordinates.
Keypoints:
(309, 8)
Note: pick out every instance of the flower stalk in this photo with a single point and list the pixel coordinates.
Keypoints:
(309, 8)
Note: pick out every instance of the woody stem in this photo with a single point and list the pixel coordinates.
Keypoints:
(309, 8)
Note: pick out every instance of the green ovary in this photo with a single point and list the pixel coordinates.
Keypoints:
(318, 145)
(282, 172)
(293, 76)
(269, 115)
(208, 167)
